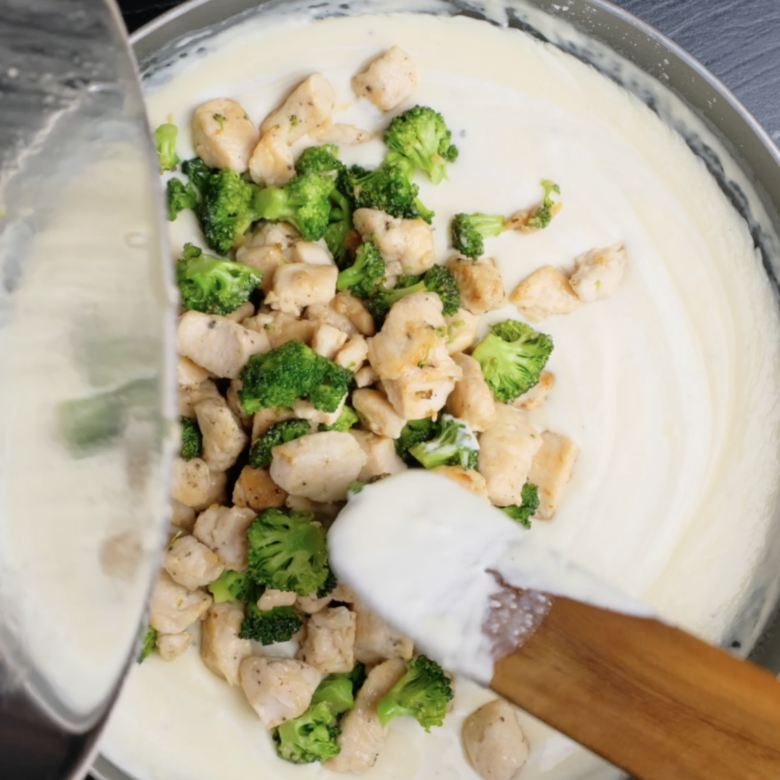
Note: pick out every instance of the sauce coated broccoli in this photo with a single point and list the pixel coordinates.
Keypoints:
(454, 444)
(529, 503)
(165, 142)
(414, 432)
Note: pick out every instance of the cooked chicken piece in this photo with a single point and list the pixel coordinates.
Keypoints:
(265, 418)
(520, 220)
(182, 516)
(312, 253)
(189, 397)
(330, 640)
(382, 457)
(265, 259)
(472, 399)
(217, 344)
(217, 492)
(313, 603)
(471, 480)
(320, 466)
(221, 648)
(324, 513)
(223, 135)
(506, 451)
(223, 530)
(494, 742)
(281, 235)
(174, 608)
(254, 488)
(171, 646)
(308, 107)
(388, 80)
(278, 689)
(480, 282)
(365, 377)
(273, 598)
(324, 314)
(272, 163)
(362, 734)
(299, 285)
(244, 311)
(190, 374)
(223, 438)
(327, 341)
(191, 563)
(353, 354)
(377, 414)
(375, 640)
(538, 394)
(191, 481)
(234, 404)
(598, 273)
(461, 330)
(544, 293)
(343, 135)
(422, 392)
(405, 241)
(279, 327)
(355, 311)
(551, 471)
(305, 410)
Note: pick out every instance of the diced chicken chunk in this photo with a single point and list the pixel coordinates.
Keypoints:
(182, 516)
(353, 354)
(506, 451)
(216, 491)
(327, 341)
(320, 466)
(480, 282)
(461, 330)
(330, 640)
(278, 689)
(377, 641)
(171, 646)
(366, 377)
(234, 404)
(405, 241)
(347, 305)
(191, 481)
(494, 742)
(190, 374)
(191, 563)
(311, 253)
(223, 135)
(223, 437)
(272, 161)
(244, 311)
(388, 80)
(598, 273)
(190, 397)
(217, 344)
(281, 235)
(313, 603)
(538, 394)
(381, 453)
(221, 647)
(174, 608)
(254, 488)
(471, 480)
(265, 259)
(551, 471)
(265, 418)
(308, 108)
(472, 399)
(305, 410)
(223, 530)
(279, 327)
(273, 598)
(344, 135)
(544, 293)
(377, 414)
(299, 285)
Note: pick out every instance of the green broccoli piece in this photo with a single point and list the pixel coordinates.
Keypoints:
(304, 202)
(529, 503)
(469, 232)
(346, 420)
(165, 143)
(544, 214)
(213, 285)
(338, 690)
(232, 586)
(367, 272)
(338, 228)
(198, 173)
(328, 586)
(287, 551)
(423, 692)
(357, 486)
(226, 210)
(289, 372)
(148, 645)
(512, 357)
(269, 626)
(436, 279)
(454, 445)
(421, 135)
(319, 159)
(191, 439)
(180, 196)
(414, 432)
(260, 456)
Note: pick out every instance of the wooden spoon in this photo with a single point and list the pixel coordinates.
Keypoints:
(647, 697)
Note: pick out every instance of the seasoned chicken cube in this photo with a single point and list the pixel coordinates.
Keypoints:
(366, 377)
(347, 305)
(327, 341)
(221, 648)
(598, 273)
(278, 689)
(265, 418)
(272, 163)
(388, 80)
(223, 135)
(191, 481)
(353, 354)
(312, 253)
(480, 282)
(171, 646)
(174, 608)
(279, 327)
(308, 108)
(265, 259)
(254, 488)
(375, 640)
(405, 241)
(382, 457)
(330, 640)
(313, 603)
(273, 598)
(281, 235)
(234, 404)
(544, 293)
(223, 438)
(182, 516)
(217, 492)
(362, 734)
(344, 135)
(299, 285)
(243, 312)
(320, 466)
(461, 330)
(538, 394)
(191, 563)
(494, 742)
(422, 392)
(376, 413)
(471, 480)
(223, 530)
(506, 451)
(551, 471)
(472, 399)
(305, 410)
(217, 344)
(190, 397)
(189, 374)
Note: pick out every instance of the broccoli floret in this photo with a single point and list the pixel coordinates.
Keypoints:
(232, 586)
(180, 196)
(269, 626)
(338, 690)
(512, 357)
(165, 143)
(198, 173)
(226, 209)
(289, 372)
(338, 228)
(421, 135)
(454, 445)
(328, 586)
(367, 272)
(469, 232)
(357, 486)
(213, 285)
(414, 432)
(260, 456)
(544, 215)
(319, 159)
(436, 279)
(346, 420)
(529, 503)
(423, 692)
(304, 202)
(191, 439)
(287, 551)
(148, 645)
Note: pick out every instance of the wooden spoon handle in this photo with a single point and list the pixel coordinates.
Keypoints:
(647, 697)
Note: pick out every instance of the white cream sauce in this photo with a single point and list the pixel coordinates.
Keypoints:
(670, 388)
